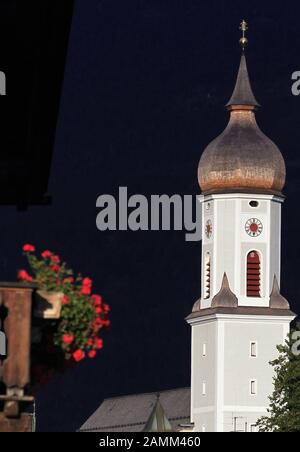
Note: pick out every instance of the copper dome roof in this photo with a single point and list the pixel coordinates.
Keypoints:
(242, 158)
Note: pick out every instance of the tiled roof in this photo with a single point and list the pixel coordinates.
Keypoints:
(131, 413)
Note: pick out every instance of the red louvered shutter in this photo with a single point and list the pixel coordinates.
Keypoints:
(253, 274)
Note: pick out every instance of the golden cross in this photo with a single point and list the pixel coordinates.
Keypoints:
(243, 28)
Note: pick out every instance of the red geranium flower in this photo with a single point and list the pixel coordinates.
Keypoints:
(87, 282)
(106, 308)
(24, 276)
(55, 259)
(46, 254)
(99, 322)
(86, 286)
(28, 248)
(92, 354)
(68, 339)
(86, 290)
(97, 300)
(90, 342)
(98, 344)
(79, 355)
(55, 268)
(65, 300)
(98, 310)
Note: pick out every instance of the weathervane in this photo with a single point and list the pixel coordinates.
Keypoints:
(243, 28)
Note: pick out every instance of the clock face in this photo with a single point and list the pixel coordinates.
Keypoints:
(208, 229)
(254, 227)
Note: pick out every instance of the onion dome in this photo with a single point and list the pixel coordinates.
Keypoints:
(242, 158)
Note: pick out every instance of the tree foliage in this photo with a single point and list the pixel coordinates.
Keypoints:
(284, 410)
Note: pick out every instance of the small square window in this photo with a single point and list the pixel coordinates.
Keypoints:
(253, 387)
(253, 349)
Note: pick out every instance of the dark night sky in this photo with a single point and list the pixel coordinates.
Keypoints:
(145, 86)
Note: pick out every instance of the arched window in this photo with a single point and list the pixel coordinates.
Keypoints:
(207, 278)
(253, 274)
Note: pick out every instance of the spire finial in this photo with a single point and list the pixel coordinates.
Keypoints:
(243, 28)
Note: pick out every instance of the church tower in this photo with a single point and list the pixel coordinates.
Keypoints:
(241, 316)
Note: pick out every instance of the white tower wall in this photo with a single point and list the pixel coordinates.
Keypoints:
(227, 369)
(223, 370)
(229, 243)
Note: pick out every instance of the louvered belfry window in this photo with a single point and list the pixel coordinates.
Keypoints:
(207, 276)
(253, 274)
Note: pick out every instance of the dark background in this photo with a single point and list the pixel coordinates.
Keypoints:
(144, 89)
